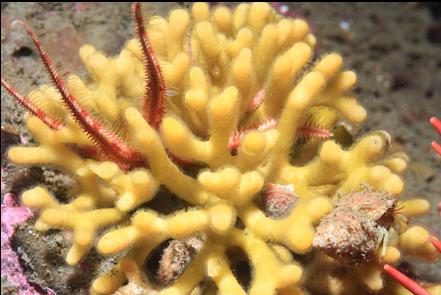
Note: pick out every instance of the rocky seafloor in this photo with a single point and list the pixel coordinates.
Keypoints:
(395, 48)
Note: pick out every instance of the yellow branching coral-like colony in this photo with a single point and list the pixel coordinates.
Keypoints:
(246, 70)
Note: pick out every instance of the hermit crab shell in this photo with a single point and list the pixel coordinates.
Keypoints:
(278, 200)
(348, 236)
(377, 206)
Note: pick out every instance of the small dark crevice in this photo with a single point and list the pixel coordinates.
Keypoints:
(23, 52)
(151, 263)
(400, 81)
(240, 266)
(165, 202)
(24, 179)
(433, 34)
(428, 93)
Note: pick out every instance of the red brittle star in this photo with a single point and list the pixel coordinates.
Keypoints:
(107, 144)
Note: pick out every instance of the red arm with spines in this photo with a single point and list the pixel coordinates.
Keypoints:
(34, 110)
(105, 139)
(154, 100)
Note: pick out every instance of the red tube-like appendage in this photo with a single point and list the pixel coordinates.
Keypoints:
(404, 280)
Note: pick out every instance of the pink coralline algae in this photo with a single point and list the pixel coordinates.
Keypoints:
(13, 214)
